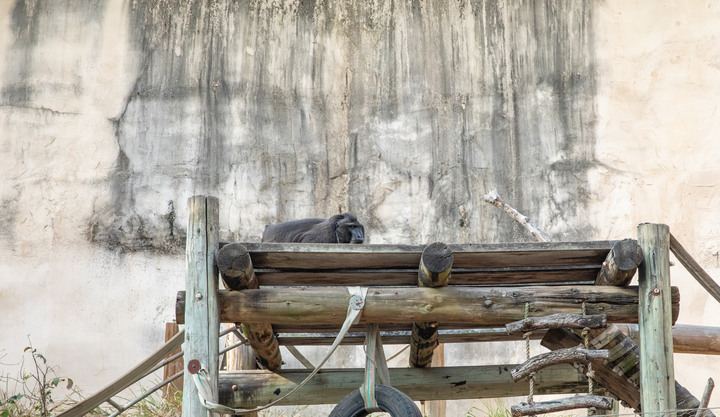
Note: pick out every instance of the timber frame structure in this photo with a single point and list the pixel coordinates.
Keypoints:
(295, 294)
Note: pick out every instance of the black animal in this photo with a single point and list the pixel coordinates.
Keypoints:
(340, 228)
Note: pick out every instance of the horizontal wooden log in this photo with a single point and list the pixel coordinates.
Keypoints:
(507, 276)
(569, 355)
(702, 340)
(466, 306)
(331, 256)
(578, 401)
(621, 264)
(556, 321)
(256, 388)
(687, 338)
(400, 337)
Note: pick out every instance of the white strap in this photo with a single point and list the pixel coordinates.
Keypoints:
(202, 378)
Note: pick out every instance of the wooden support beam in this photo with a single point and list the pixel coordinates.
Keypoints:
(434, 271)
(456, 306)
(694, 268)
(201, 306)
(556, 321)
(238, 274)
(256, 388)
(578, 401)
(621, 263)
(656, 349)
(687, 338)
(569, 355)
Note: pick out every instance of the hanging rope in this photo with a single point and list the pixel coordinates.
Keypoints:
(531, 377)
(590, 373)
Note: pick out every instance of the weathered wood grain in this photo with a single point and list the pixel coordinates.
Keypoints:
(201, 306)
(330, 256)
(578, 401)
(656, 352)
(569, 355)
(420, 384)
(465, 306)
(556, 321)
(621, 263)
(238, 274)
(434, 271)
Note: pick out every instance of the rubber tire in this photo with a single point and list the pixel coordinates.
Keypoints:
(389, 400)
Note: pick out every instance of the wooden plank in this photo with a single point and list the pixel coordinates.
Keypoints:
(656, 349)
(139, 371)
(201, 305)
(572, 274)
(466, 306)
(400, 337)
(562, 404)
(421, 384)
(694, 268)
(687, 338)
(329, 256)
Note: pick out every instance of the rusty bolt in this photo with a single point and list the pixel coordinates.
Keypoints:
(234, 387)
(656, 291)
(198, 296)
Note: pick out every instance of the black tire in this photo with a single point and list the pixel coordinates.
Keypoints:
(389, 400)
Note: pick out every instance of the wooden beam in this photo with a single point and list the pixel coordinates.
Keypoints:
(434, 271)
(201, 306)
(556, 321)
(316, 256)
(621, 263)
(656, 349)
(256, 388)
(569, 355)
(368, 277)
(562, 404)
(694, 268)
(463, 306)
(687, 338)
(238, 274)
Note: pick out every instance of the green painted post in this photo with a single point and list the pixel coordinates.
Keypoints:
(657, 375)
(202, 313)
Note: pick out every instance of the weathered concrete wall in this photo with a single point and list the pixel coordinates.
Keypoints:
(589, 117)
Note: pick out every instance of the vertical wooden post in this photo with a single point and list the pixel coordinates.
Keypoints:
(172, 368)
(657, 375)
(202, 313)
(434, 270)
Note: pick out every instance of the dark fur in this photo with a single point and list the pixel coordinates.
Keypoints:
(340, 228)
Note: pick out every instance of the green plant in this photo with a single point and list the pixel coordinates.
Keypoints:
(498, 409)
(31, 393)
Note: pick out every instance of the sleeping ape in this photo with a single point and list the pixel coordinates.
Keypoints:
(340, 228)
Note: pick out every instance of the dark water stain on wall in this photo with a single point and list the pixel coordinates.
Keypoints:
(406, 113)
